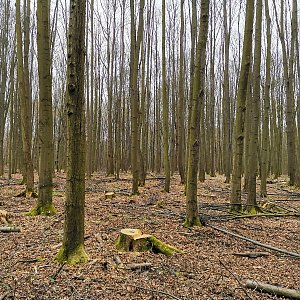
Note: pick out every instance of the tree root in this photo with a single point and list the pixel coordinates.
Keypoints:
(27, 194)
(78, 255)
(188, 223)
(47, 210)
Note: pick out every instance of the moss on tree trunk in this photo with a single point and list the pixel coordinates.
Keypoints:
(72, 257)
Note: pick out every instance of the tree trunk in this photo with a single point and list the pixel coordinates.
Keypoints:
(24, 106)
(226, 107)
(180, 116)
(241, 108)
(45, 134)
(253, 137)
(192, 217)
(72, 250)
(165, 103)
(266, 108)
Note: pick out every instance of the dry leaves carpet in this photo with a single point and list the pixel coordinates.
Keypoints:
(209, 269)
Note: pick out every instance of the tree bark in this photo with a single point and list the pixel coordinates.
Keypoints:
(24, 105)
(266, 108)
(253, 136)
(241, 108)
(72, 250)
(192, 217)
(165, 103)
(45, 135)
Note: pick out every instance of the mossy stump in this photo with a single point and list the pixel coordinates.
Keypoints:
(134, 240)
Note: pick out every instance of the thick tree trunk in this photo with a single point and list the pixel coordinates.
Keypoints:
(72, 250)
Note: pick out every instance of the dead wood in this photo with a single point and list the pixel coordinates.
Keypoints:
(133, 240)
(5, 217)
(252, 254)
(256, 242)
(263, 215)
(110, 195)
(273, 289)
(9, 229)
(142, 266)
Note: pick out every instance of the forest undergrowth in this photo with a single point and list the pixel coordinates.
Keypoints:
(213, 266)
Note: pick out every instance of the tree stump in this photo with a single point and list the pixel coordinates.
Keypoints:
(110, 195)
(133, 240)
(5, 217)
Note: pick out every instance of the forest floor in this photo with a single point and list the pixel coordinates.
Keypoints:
(210, 267)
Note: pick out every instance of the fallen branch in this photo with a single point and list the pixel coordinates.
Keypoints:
(264, 215)
(155, 291)
(252, 254)
(142, 266)
(273, 289)
(9, 229)
(255, 242)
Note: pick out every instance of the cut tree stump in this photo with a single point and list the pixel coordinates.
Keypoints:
(134, 240)
(273, 289)
(110, 195)
(5, 217)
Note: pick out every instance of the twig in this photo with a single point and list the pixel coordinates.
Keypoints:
(57, 272)
(255, 242)
(155, 291)
(236, 278)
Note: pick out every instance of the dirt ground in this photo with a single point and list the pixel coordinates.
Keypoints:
(210, 267)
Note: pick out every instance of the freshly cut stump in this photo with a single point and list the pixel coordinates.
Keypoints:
(133, 240)
(110, 195)
(5, 217)
(125, 239)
